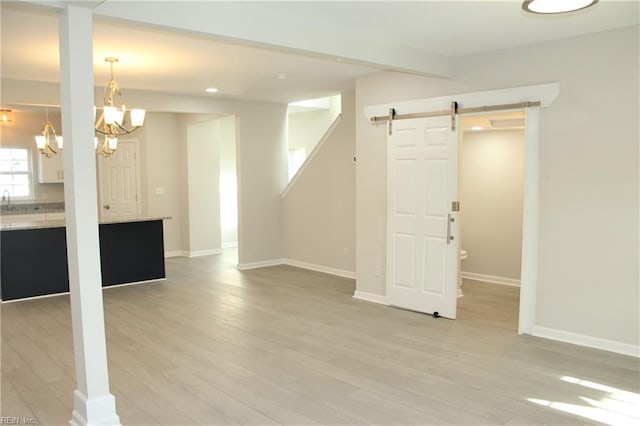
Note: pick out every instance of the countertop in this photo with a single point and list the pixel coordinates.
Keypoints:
(31, 208)
(41, 224)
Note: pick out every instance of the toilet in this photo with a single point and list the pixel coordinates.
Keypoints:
(463, 256)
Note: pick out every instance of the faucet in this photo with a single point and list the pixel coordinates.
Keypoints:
(7, 198)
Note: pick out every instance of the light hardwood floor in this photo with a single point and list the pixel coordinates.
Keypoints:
(281, 345)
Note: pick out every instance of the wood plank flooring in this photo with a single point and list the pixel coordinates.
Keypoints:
(216, 346)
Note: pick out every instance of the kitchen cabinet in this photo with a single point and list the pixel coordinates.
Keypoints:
(51, 169)
(130, 252)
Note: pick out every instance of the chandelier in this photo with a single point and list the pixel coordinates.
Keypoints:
(44, 142)
(5, 116)
(113, 122)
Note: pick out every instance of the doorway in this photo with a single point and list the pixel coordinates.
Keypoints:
(212, 186)
(491, 191)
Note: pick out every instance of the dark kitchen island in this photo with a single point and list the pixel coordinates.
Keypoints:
(33, 255)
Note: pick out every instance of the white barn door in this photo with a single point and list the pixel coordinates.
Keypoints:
(422, 240)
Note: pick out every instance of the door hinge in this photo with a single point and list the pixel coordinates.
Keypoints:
(455, 206)
(392, 115)
(454, 112)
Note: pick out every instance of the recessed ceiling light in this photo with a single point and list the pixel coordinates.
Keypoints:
(338, 59)
(281, 76)
(547, 7)
(476, 128)
(211, 90)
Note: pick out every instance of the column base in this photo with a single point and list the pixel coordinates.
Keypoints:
(94, 411)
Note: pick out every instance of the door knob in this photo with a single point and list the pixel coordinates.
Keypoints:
(106, 206)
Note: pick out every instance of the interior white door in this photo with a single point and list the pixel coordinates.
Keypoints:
(118, 178)
(422, 242)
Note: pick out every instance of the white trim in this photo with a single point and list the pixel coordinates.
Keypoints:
(198, 253)
(230, 245)
(530, 230)
(369, 297)
(493, 279)
(584, 340)
(175, 253)
(320, 268)
(543, 93)
(316, 149)
(260, 264)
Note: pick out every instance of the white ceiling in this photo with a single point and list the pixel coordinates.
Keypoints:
(240, 47)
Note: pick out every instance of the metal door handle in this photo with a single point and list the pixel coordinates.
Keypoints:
(449, 236)
(107, 206)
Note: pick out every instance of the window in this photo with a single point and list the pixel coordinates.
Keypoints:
(296, 159)
(15, 172)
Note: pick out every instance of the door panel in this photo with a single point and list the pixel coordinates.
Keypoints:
(422, 181)
(118, 178)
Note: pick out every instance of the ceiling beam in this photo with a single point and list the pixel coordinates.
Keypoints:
(255, 25)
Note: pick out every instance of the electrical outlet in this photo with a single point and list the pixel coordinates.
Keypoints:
(377, 270)
(345, 251)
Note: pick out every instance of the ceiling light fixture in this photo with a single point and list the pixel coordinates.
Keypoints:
(212, 90)
(113, 121)
(476, 128)
(5, 116)
(44, 141)
(549, 7)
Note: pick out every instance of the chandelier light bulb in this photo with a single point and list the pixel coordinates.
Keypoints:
(41, 142)
(113, 121)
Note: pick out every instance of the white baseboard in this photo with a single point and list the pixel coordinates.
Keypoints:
(370, 297)
(584, 340)
(176, 253)
(320, 268)
(260, 264)
(199, 253)
(230, 245)
(491, 279)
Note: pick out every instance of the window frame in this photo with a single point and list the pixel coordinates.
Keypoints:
(30, 173)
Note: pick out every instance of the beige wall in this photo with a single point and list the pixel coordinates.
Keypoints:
(261, 156)
(588, 279)
(24, 126)
(160, 169)
(203, 187)
(319, 209)
(491, 171)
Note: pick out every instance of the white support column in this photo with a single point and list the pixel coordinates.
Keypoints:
(93, 403)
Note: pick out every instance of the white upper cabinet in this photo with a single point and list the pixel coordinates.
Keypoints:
(50, 169)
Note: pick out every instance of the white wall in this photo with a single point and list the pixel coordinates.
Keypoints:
(588, 281)
(491, 195)
(319, 208)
